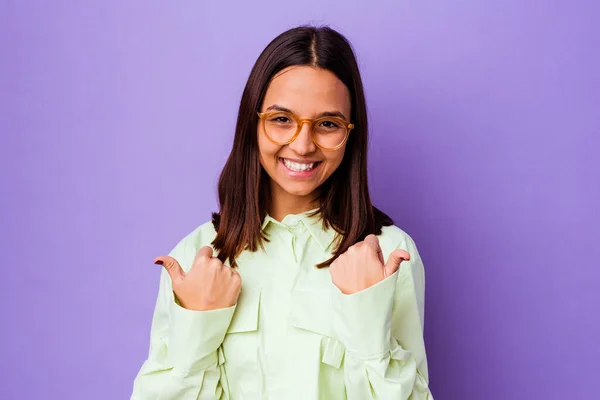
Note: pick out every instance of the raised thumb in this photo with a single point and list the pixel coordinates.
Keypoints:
(394, 260)
(172, 266)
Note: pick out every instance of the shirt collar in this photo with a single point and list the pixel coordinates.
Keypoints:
(314, 225)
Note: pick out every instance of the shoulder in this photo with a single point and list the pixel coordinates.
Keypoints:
(185, 250)
(392, 237)
(203, 235)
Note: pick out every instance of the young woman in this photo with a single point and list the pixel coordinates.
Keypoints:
(298, 288)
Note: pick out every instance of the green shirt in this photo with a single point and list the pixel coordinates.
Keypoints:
(292, 334)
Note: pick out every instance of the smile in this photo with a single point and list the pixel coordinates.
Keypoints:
(299, 167)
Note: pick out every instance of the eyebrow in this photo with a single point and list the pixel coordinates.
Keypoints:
(276, 107)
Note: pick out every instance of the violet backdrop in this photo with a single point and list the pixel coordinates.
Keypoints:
(117, 116)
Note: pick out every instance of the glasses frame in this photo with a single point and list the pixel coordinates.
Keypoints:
(264, 115)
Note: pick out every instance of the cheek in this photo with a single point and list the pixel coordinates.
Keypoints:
(268, 151)
(334, 159)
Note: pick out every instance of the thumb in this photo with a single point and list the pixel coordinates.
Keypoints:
(172, 266)
(394, 260)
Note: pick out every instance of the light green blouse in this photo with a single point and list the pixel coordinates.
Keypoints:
(292, 334)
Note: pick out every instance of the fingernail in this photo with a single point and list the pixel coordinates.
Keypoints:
(158, 262)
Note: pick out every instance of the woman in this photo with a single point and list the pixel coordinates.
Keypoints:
(299, 288)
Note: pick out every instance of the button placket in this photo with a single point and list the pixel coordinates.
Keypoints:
(300, 238)
(294, 247)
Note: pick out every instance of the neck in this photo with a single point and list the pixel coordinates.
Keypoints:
(283, 203)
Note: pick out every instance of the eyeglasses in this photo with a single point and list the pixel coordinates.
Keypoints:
(328, 133)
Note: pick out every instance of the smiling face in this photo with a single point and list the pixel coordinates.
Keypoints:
(298, 169)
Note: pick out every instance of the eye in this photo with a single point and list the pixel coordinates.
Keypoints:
(280, 119)
(329, 124)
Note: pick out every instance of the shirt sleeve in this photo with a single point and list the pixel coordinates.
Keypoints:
(382, 330)
(183, 360)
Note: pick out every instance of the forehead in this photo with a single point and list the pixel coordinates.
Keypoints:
(307, 90)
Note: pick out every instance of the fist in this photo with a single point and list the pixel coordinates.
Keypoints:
(208, 285)
(362, 266)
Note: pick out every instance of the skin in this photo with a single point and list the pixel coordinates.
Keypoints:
(307, 92)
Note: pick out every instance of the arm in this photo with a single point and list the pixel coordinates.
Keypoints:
(183, 361)
(381, 328)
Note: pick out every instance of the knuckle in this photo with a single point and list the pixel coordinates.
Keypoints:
(356, 247)
(236, 281)
(372, 249)
(369, 248)
(170, 265)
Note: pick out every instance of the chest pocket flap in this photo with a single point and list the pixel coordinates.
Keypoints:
(311, 310)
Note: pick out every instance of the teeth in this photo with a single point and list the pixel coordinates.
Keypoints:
(297, 166)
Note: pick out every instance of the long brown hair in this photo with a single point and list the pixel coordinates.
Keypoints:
(345, 204)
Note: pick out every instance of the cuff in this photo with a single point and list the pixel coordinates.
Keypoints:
(363, 320)
(195, 336)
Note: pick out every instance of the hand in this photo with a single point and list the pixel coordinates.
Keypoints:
(208, 285)
(362, 266)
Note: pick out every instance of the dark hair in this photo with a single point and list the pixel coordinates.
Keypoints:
(345, 204)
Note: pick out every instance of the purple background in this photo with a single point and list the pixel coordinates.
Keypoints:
(117, 116)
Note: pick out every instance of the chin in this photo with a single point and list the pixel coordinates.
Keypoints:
(298, 190)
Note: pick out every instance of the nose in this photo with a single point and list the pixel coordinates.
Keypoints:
(303, 144)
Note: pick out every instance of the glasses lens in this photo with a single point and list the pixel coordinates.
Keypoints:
(280, 127)
(329, 132)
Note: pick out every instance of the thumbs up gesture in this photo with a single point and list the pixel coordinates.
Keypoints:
(208, 285)
(362, 266)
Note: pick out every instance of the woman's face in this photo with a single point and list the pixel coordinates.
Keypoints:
(299, 168)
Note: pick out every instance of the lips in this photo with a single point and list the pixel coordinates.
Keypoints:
(299, 166)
